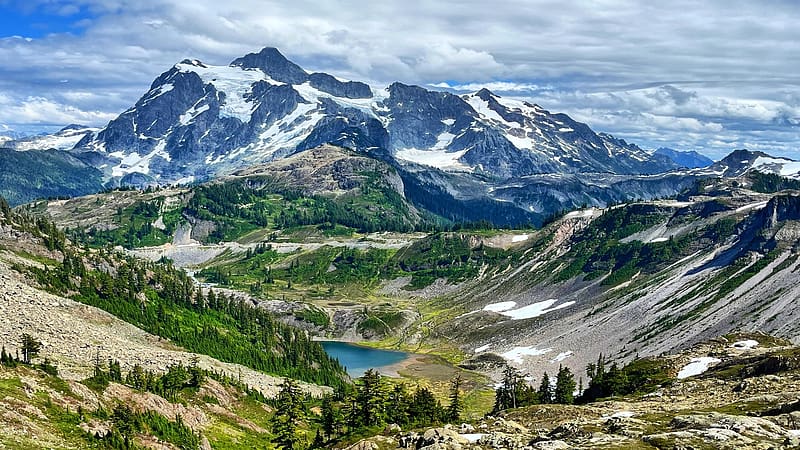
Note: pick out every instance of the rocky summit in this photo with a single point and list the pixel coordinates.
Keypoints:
(199, 120)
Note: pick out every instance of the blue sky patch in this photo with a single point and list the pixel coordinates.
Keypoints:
(38, 22)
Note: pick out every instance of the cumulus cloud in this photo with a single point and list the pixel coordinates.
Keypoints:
(624, 67)
(45, 112)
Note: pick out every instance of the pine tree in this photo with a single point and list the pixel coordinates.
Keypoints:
(289, 413)
(545, 390)
(30, 348)
(565, 387)
(453, 413)
(331, 418)
(506, 396)
(425, 409)
(398, 405)
(371, 398)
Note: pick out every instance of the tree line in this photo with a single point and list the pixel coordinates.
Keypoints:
(368, 406)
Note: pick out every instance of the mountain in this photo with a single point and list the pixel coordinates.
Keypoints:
(740, 162)
(30, 175)
(64, 139)
(198, 121)
(689, 160)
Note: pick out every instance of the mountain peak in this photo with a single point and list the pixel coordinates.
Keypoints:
(485, 94)
(273, 63)
(193, 62)
(688, 159)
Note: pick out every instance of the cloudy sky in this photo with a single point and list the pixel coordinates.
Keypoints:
(710, 76)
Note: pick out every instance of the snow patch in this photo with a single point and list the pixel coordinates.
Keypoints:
(535, 309)
(499, 307)
(517, 354)
(438, 158)
(757, 205)
(519, 238)
(473, 437)
(660, 239)
(443, 141)
(235, 82)
(187, 117)
(745, 345)
(781, 166)
(134, 162)
(482, 107)
(585, 213)
(696, 366)
(449, 122)
(620, 415)
(561, 356)
(483, 348)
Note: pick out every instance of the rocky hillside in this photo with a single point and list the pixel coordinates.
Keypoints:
(638, 279)
(746, 399)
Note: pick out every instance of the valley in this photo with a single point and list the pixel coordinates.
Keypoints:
(185, 276)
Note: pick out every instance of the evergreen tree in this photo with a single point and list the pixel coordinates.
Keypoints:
(453, 413)
(331, 418)
(288, 415)
(506, 396)
(565, 386)
(425, 409)
(398, 405)
(545, 390)
(371, 398)
(30, 348)
(114, 371)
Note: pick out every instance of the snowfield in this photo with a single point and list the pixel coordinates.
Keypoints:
(525, 312)
(561, 356)
(745, 345)
(517, 354)
(499, 307)
(697, 366)
(438, 158)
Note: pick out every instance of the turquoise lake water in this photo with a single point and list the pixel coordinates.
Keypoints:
(358, 359)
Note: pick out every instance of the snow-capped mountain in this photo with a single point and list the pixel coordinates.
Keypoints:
(740, 162)
(64, 139)
(197, 121)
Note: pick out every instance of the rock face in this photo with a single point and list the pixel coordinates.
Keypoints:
(199, 121)
(205, 120)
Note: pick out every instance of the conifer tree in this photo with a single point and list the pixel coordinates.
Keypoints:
(545, 390)
(371, 398)
(30, 348)
(453, 413)
(331, 418)
(565, 386)
(289, 413)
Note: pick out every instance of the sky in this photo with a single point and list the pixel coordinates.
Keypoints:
(710, 76)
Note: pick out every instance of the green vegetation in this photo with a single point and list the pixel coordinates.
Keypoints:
(45, 174)
(639, 376)
(162, 300)
(136, 226)
(769, 183)
(238, 207)
(597, 250)
(263, 271)
(373, 403)
(515, 391)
